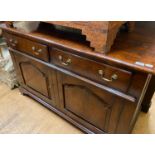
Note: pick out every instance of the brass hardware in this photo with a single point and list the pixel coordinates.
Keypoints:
(100, 72)
(68, 61)
(15, 42)
(113, 77)
(33, 48)
(40, 50)
(11, 40)
(36, 53)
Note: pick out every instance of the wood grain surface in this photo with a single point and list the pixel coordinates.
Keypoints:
(128, 48)
(20, 114)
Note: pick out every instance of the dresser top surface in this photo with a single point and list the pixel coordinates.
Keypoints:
(129, 48)
(137, 46)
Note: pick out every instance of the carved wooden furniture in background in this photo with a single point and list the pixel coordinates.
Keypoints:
(100, 34)
(96, 92)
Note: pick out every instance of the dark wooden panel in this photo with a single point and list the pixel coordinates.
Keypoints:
(92, 69)
(36, 77)
(126, 114)
(148, 96)
(98, 110)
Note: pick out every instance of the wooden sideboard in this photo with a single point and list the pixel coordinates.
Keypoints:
(98, 93)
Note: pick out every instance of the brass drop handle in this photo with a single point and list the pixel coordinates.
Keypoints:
(113, 77)
(39, 50)
(33, 48)
(36, 52)
(10, 40)
(13, 42)
(68, 61)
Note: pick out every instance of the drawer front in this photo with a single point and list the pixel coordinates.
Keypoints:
(29, 47)
(110, 76)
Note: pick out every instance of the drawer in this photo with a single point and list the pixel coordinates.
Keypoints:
(104, 74)
(27, 46)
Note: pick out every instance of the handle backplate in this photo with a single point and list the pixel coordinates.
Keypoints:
(66, 63)
(112, 78)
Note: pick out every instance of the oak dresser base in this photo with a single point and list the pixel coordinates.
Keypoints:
(97, 93)
(55, 110)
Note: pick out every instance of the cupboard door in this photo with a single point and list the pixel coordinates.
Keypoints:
(94, 108)
(36, 78)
